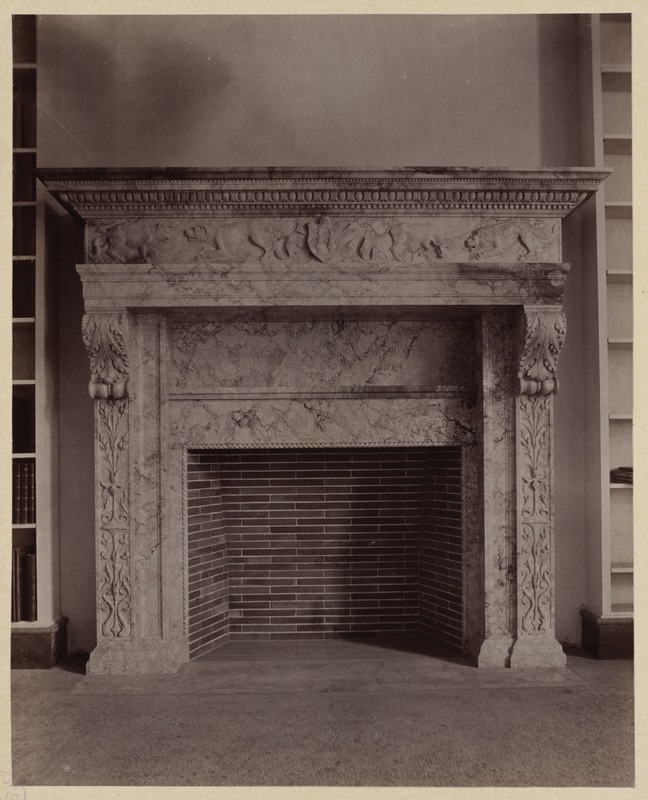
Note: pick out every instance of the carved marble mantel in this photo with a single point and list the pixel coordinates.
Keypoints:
(169, 254)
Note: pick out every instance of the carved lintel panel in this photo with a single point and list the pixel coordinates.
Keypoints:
(535, 516)
(113, 534)
(323, 239)
(543, 336)
(104, 336)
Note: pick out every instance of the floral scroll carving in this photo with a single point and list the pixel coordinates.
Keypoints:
(544, 336)
(104, 336)
(535, 514)
(113, 519)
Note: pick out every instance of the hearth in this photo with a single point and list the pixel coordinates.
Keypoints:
(288, 329)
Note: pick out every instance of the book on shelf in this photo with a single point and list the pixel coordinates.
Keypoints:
(621, 475)
(23, 493)
(23, 585)
(15, 493)
(24, 481)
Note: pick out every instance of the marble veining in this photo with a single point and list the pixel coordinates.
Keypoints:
(321, 354)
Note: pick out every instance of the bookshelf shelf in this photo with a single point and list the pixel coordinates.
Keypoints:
(619, 276)
(23, 455)
(23, 150)
(17, 321)
(24, 382)
(622, 567)
(620, 486)
(618, 343)
(616, 69)
(620, 417)
(617, 144)
(618, 209)
(24, 526)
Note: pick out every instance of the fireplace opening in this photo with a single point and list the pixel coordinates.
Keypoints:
(324, 543)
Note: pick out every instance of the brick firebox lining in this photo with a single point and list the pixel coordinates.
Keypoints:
(324, 543)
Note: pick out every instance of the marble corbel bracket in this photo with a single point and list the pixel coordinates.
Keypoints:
(105, 336)
(542, 337)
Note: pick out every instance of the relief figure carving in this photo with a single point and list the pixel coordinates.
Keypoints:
(415, 239)
(129, 243)
(233, 239)
(525, 240)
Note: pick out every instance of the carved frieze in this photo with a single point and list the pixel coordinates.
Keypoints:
(104, 336)
(323, 240)
(543, 337)
(113, 514)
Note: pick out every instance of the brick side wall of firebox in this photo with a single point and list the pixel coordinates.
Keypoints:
(324, 543)
(207, 558)
(440, 569)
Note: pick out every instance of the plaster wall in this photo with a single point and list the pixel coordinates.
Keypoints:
(310, 91)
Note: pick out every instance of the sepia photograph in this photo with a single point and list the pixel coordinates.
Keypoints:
(322, 402)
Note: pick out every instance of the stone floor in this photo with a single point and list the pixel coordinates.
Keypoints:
(335, 713)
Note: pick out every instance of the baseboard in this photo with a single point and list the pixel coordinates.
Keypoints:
(38, 647)
(607, 637)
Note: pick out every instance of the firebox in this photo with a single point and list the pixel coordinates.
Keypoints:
(324, 405)
(321, 543)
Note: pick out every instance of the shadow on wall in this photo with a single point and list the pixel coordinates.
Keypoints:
(121, 84)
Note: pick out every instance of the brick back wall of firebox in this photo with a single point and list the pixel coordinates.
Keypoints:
(325, 542)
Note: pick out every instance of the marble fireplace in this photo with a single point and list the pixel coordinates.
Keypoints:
(323, 405)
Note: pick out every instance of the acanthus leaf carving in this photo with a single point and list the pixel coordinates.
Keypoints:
(104, 336)
(113, 518)
(544, 336)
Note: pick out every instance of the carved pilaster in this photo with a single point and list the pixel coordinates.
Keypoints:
(104, 336)
(543, 337)
(113, 520)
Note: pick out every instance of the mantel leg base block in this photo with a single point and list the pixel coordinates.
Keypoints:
(494, 652)
(137, 658)
(537, 651)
